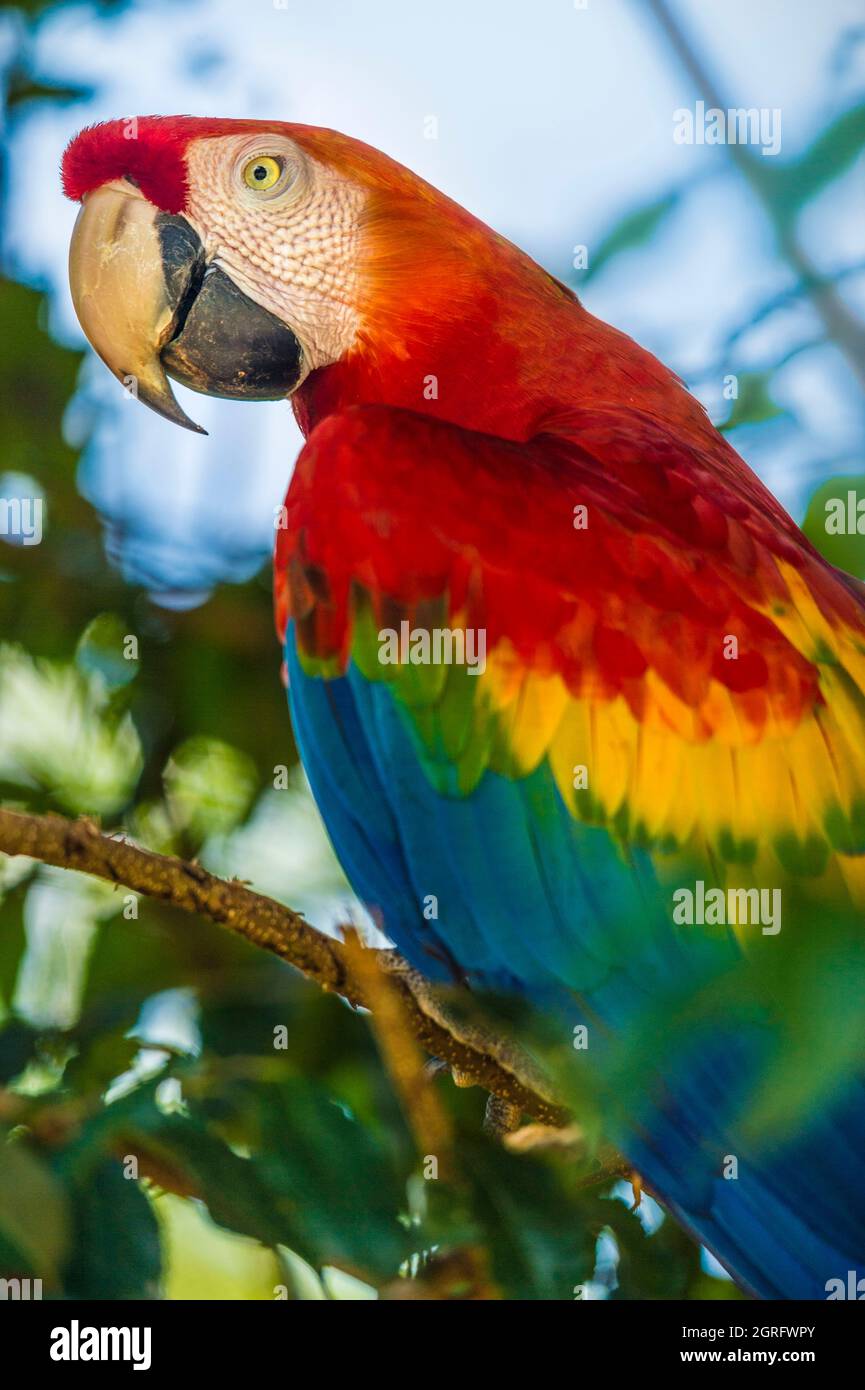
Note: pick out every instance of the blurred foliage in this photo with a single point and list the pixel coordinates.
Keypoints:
(635, 230)
(300, 1151)
(831, 154)
(180, 1116)
(753, 403)
(787, 189)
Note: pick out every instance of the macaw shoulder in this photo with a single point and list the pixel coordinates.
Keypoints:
(613, 512)
(395, 500)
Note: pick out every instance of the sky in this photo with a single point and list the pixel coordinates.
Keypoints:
(551, 121)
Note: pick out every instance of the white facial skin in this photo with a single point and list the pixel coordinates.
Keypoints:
(291, 247)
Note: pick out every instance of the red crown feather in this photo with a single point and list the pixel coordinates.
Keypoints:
(151, 150)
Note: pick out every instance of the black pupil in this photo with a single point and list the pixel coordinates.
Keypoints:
(260, 172)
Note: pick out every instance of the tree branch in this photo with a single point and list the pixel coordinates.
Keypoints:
(82, 846)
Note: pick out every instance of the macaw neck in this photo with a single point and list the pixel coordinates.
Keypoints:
(514, 356)
(476, 385)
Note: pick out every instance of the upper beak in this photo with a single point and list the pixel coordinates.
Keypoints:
(148, 302)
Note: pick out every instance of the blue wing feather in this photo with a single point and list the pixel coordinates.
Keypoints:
(517, 911)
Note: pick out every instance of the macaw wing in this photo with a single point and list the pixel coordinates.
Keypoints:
(670, 673)
(669, 677)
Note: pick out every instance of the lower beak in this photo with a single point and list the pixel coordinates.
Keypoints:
(149, 304)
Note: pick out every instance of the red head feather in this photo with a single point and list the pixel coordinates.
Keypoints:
(149, 149)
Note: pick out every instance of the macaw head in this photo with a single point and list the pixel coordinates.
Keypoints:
(239, 257)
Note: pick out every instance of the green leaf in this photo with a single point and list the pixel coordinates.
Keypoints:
(100, 1059)
(831, 506)
(21, 87)
(13, 942)
(634, 230)
(540, 1241)
(37, 378)
(314, 1181)
(34, 1213)
(827, 158)
(754, 404)
(209, 786)
(237, 1196)
(101, 648)
(116, 1250)
(18, 1047)
(819, 1037)
(349, 1198)
(662, 1264)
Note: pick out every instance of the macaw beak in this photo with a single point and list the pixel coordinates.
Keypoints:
(150, 305)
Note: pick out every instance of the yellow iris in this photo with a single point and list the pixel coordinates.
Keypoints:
(262, 172)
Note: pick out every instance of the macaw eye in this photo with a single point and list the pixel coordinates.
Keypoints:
(262, 172)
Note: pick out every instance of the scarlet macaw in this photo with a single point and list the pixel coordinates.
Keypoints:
(556, 657)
